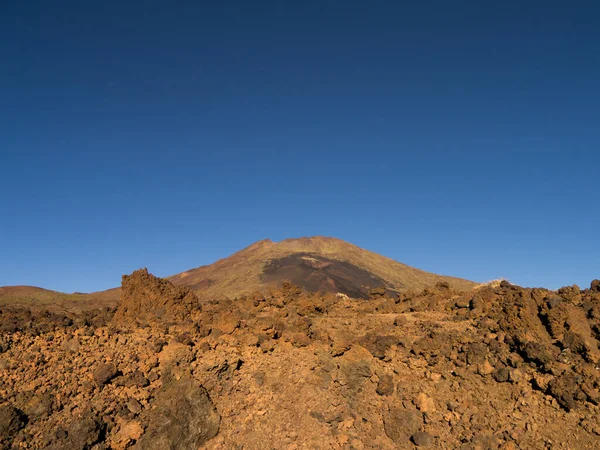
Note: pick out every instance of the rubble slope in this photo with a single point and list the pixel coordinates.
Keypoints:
(498, 367)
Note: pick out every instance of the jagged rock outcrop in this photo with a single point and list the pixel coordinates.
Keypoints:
(146, 298)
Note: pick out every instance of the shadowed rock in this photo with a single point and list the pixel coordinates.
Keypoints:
(184, 418)
(11, 421)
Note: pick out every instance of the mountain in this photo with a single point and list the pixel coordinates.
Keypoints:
(318, 264)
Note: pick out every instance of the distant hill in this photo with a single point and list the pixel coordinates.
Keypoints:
(318, 264)
(30, 296)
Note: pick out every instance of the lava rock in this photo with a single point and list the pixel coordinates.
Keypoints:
(501, 375)
(12, 420)
(385, 386)
(400, 424)
(136, 379)
(422, 439)
(103, 374)
(184, 418)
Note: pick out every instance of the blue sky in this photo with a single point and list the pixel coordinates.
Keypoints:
(458, 137)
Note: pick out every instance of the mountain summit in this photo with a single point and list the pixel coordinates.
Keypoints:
(318, 264)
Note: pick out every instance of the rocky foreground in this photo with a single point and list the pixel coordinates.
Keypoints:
(499, 367)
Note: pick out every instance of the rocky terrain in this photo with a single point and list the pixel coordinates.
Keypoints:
(494, 367)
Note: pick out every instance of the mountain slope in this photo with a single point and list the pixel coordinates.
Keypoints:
(317, 264)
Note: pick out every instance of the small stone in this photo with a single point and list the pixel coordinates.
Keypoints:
(400, 424)
(299, 340)
(185, 339)
(515, 376)
(476, 353)
(134, 406)
(129, 432)
(422, 439)
(205, 346)
(267, 345)
(137, 379)
(400, 321)
(485, 368)
(103, 374)
(501, 375)
(385, 386)
(452, 405)
(153, 376)
(71, 345)
(425, 403)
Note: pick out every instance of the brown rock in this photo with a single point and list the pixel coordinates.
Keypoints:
(400, 424)
(129, 432)
(355, 369)
(485, 368)
(40, 406)
(136, 379)
(501, 375)
(425, 403)
(476, 353)
(146, 298)
(11, 421)
(566, 390)
(134, 406)
(267, 345)
(385, 385)
(183, 418)
(539, 353)
(300, 340)
(422, 439)
(104, 373)
(400, 321)
(378, 345)
(71, 345)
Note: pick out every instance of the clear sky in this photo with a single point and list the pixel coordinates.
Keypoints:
(458, 137)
